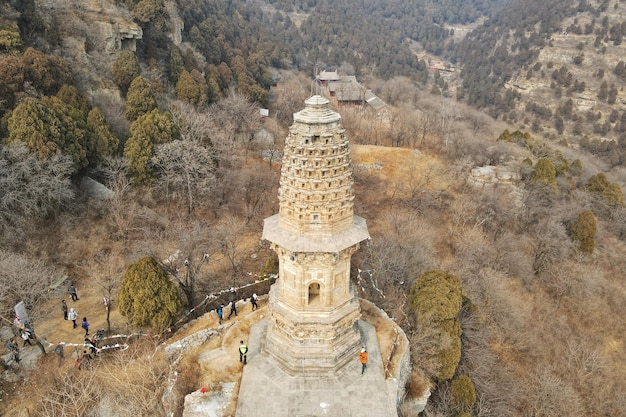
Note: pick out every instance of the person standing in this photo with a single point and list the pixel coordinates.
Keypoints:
(233, 309)
(363, 360)
(64, 308)
(253, 300)
(243, 352)
(85, 325)
(73, 292)
(58, 350)
(72, 315)
(26, 336)
(220, 313)
(14, 350)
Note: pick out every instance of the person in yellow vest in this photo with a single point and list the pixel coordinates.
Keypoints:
(243, 352)
(363, 360)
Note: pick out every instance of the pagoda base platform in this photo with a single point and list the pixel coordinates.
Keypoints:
(268, 390)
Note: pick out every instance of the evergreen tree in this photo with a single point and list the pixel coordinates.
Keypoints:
(598, 183)
(436, 298)
(576, 169)
(10, 39)
(463, 392)
(47, 73)
(544, 172)
(147, 131)
(613, 195)
(584, 231)
(69, 95)
(188, 89)
(176, 64)
(140, 99)
(147, 297)
(103, 140)
(125, 69)
(47, 128)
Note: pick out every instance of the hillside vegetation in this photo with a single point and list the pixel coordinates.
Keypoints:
(527, 268)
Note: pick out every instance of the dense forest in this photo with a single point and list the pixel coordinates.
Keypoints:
(528, 273)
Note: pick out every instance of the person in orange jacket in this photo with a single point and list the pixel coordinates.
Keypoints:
(363, 359)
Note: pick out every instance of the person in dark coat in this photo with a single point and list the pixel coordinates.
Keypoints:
(73, 292)
(253, 301)
(220, 313)
(64, 308)
(233, 308)
(85, 325)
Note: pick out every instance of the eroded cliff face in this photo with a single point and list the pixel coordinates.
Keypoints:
(91, 33)
(98, 23)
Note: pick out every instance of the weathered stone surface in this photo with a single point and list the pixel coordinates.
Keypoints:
(313, 309)
(118, 35)
(501, 177)
(211, 403)
(176, 24)
(94, 189)
(267, 390)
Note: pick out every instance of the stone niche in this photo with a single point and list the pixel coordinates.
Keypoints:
(118, 36)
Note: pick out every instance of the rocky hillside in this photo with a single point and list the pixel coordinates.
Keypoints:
(572, 90)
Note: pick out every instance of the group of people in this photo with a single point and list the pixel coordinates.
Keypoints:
(71, 314)
(233, 308)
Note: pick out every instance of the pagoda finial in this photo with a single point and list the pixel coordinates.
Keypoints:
(315, 85)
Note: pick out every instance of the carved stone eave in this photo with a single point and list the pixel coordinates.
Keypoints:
(302, 243)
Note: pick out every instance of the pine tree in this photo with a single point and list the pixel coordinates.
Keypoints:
(598, 183)
(463, 392)
(147, 297)
(544, 172)
(69, 95)
(584, 231)
(147, 131)
(10, 39)
(125, 69)
(139, 100)
(187, 89)
(176, 64)
(436, 299)
(613, 195)
(47, 127)
(103, 140)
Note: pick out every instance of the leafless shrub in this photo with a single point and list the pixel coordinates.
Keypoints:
(32, 190)
(550, 396)
(186, 171)
(235, 120)
(24, 278)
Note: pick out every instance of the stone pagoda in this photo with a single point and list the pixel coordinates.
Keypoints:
(312, 327)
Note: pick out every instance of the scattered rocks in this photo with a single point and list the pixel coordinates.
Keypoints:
(490, 176)
(209, 402)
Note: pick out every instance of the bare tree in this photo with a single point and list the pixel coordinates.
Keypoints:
(235, 120)
(107, 272)
(130, 382)
(121, 207)
(32, 189)
(24, 278)
(193, 125)
(288, 98)
(196, 246)
(230, 233)
(185, 168)
(551, 396)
